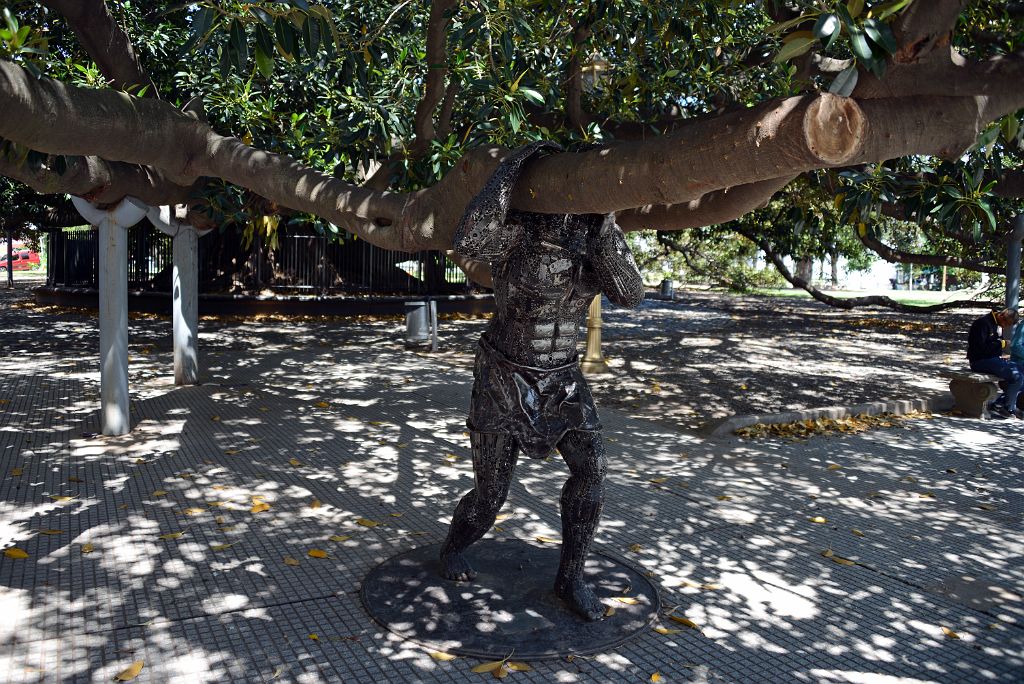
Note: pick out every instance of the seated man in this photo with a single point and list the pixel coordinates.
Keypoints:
(984, 350)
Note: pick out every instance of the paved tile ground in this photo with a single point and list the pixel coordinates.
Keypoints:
(330, 423)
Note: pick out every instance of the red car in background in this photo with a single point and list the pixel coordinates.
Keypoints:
(21, 260)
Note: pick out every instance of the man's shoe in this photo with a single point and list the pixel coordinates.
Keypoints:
(998, 409)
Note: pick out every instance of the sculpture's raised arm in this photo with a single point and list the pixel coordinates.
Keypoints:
(612, 267)
(486, 231)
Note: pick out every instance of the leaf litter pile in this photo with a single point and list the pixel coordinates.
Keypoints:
(812, 427)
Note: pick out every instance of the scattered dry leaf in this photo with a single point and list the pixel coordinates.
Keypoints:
(451, 457)
(856, 532)
(635, 548)
(288, 560)
(488, 667)
(950, 633)
(609, 611)
(194, 511)
(818, 519)
(88, 548)
(51, 531)
(340, 537)
(438, 655)
(656, 677)
(130, 672)
(260, 506)
(666, 630)
(159, 492)
(683, 621)
(314, 637)
(658, 480)
(986, 507)
(518, 667)
(628, 600)
(315, 503)
(322, 404)
(367, 523)
(927, 495)
(395, 515)
(72, 478)
(172, 535)
(16, 472)
(294, 462)
(231, 452)
(549, 540)
(215, 418)
(16, 553)
(221, 547)
(835, 466)
(723, 497)
(317, 553)
(62, 498)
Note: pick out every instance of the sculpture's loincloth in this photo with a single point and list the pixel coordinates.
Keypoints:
(537, 406)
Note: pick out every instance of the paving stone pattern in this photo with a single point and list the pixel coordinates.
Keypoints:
(334, 424)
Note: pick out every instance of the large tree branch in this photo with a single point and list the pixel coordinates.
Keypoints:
(437, 70)
(105, 41)
(715, 207)
(925, 26)
(900, 257)
(574, 112)
(847, 302)
(957, 77)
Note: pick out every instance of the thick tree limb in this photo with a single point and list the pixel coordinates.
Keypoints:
(105, 41)
(574, 112)
(849, 302)
(437, 70)
(900, 257)
(98, 180)
(715, 207)
(1010, 184)
(956, 77)
(925, 26)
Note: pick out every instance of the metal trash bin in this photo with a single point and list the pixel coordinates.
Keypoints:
(668, 288)
(421, 324)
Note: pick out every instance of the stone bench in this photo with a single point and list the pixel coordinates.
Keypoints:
(972, 391)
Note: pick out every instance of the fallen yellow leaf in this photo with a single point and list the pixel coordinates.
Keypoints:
(62, 498)
(827, 553)
(140, 460)
(215, 418)
(488, 667)
(322, 404)
(194, 511)
(658, 480)
(317, 553)
(288, 560)
(451, 457)
(15, 552)
(221, 547)
(628, 600)
(666, 630)
(927, 495)
(231, 452)
(723, 497)
(841, 561)
(635, 548)
(295, 462)
(172, 535)
(88, 548)
(986, 507)
(856, 532)
(72, 478)
(159, 492)
(711, 587)
(340, 537)
(50, 531)
(835, 466)
(395, 515)
(950, 633)
(549, 540)
(683, 621)
(259, 507)
(130, 672)
(501, 672)
(518, 667)
(315, 503)
(314, 636)
(16, 472)
(367, 523)
(501, 516)
(656, 677)
(818, 519)
(219, 487)
(609, 611)
(438, 655)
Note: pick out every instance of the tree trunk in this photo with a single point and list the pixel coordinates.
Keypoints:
(834, 256)
(805, 269)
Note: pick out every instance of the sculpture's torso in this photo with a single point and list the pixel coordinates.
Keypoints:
(542, 291)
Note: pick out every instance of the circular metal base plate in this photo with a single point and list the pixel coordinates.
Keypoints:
(509, 607)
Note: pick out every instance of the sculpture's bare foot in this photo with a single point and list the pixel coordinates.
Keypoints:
(454, 566)
(580, 598)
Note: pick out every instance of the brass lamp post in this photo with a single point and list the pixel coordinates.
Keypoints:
(594, 362)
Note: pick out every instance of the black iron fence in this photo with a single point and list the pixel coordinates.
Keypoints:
(297, 263)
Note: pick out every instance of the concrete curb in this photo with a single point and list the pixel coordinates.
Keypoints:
(726, 426)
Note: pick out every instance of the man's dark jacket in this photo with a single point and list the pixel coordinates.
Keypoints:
(983, 340)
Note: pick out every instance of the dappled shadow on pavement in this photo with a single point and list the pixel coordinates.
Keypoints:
(186, 544)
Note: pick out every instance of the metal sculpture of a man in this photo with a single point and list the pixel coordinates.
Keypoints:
(529, 394)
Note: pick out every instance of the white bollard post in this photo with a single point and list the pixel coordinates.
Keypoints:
(184, 293)
(113, 294)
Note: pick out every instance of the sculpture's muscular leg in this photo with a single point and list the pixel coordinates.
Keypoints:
(494, 460)
(582, 500)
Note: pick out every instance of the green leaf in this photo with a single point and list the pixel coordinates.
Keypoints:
(855, 7)
(785, 25)
(671, 73)
(860, 45)
(239, 44)
(794, 48)
(827, 29)
(533, 96)
(845, 82)
(881, 35)
(264, 62)
(891, 8)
